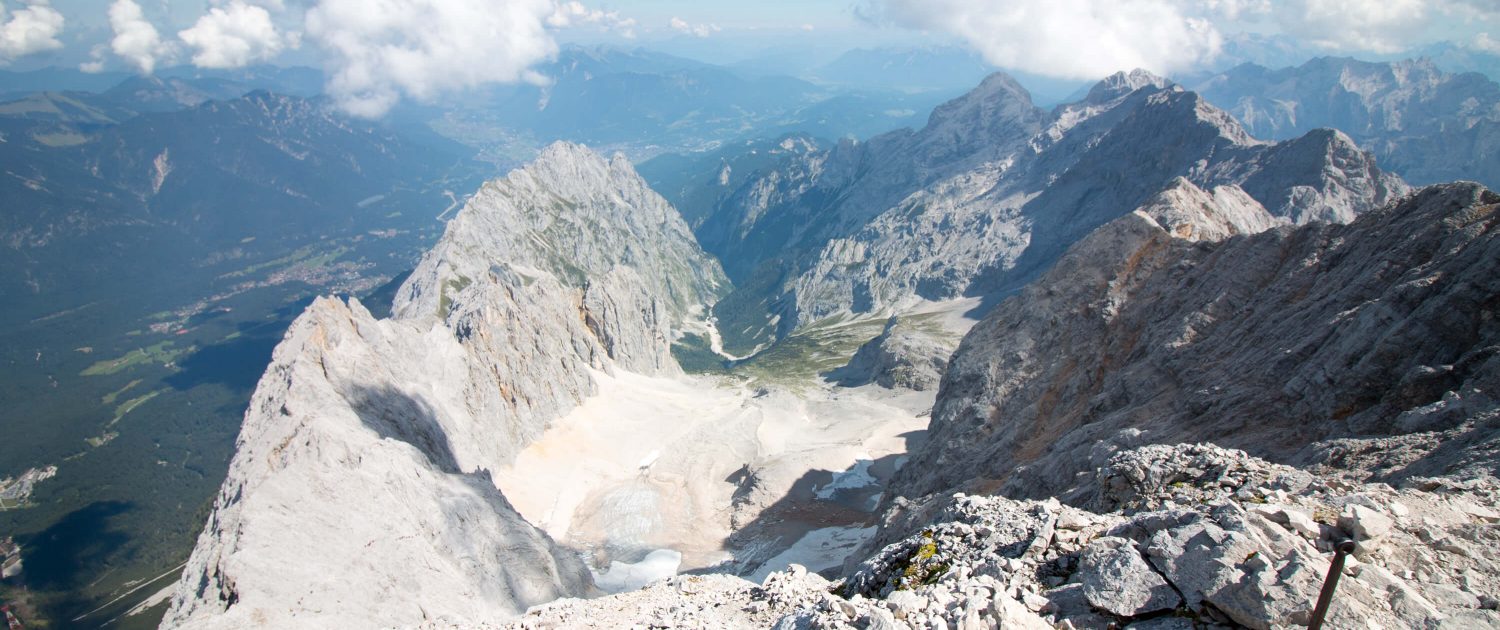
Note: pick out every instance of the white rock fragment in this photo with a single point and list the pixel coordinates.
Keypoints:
(1365, 524)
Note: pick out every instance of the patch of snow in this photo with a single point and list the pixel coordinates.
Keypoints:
(855, 478)
(628, 576)
(819, 550)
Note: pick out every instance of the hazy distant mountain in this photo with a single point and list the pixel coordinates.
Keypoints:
(293, 81)
(1272, 51)
(947, 69)
(1426, 124)
(179, 184)
(907, 68)
(158, 94)
(14, 84)
(1452, 57)
(645, 103)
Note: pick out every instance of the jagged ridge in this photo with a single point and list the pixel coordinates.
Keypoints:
(1268, 342)
(360, 494)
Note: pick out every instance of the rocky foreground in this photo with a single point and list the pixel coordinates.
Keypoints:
(1185, 536)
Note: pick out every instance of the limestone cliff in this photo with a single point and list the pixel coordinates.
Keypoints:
(1269, 342)
(361, 494)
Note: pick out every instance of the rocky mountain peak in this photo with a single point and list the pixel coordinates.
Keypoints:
(989, 121)
(1121, 83)
(1189, 212)
(573, 215)
(999, 95)
(560, 270)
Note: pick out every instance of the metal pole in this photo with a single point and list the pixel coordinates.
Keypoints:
(1341, 550)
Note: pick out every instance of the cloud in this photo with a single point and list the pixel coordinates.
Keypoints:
(136, 39)
(1484, 43)
(235, 36)
(1379, 26)
(1084, 39)
(379, 51)
(1080, 39)
(574, 14)
(30, 29)
(1382, 26)
(696, 30)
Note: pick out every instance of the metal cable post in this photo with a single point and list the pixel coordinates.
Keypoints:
(1341, 550)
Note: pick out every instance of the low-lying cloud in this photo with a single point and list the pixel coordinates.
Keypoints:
(1380, 26)
(235, 36)
(379, 52)
(136, 40)
(31, 29)
(1086, 39)
(696, 30)
(573, 14)
(1079, 39)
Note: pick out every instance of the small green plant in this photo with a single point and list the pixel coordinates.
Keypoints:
(924, 566)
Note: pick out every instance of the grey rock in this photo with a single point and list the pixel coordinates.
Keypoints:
(1068, 602)
(1012, 615)
(901, 357)
(1428, 125)
(1163, 623)
(905, 603)
(878, 619)
(1364, 523)
(1116, 578)
(1199, 558)
(1230, 342)
(1449, 596)
(368, 443)
(573, 215)
(993, 190)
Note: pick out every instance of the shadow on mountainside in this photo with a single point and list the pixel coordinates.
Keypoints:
(784, 522)
(396, 415)
(56, 557)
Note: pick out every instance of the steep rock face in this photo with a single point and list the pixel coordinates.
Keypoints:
(900, 357)
(361, 495)
(993, 190)
(1192, 213)
(359, 490)
(576, 216)
(1268, 342)
(1427, 125)
(790, 208)
(985, 234)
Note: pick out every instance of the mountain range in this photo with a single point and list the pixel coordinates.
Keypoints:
(1012, 338)
(1126, 245)
(985, 196)
(1428, 125)
(646, 103)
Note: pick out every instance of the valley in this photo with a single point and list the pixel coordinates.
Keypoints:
(647, 340)
(742, 469)
(153, 406)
